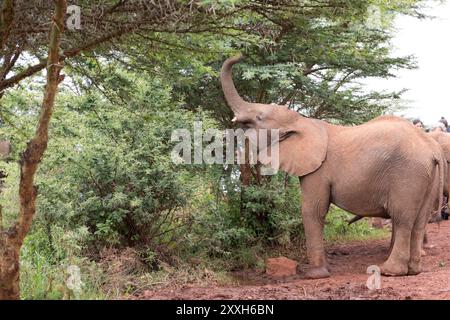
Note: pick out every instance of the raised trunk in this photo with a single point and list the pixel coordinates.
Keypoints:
(232, 97)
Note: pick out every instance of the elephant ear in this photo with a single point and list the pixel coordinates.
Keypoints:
(302, 148)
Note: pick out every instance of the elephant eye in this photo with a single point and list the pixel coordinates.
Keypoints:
(259, 117)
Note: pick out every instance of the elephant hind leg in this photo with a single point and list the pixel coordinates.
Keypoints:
(397, 262)
(400, 246)
(405, 206)
(418, 235)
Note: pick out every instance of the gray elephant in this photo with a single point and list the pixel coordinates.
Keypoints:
(365, 170)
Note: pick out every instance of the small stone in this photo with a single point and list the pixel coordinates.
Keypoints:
(281, 267)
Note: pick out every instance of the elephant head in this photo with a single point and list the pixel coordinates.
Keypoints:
(302, 142)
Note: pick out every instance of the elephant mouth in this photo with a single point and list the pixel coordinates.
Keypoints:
(272, 141)
(282, 135)
(246, 124)
(286, 134)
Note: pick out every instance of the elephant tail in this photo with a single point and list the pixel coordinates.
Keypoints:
(354, 219)
(441, 169)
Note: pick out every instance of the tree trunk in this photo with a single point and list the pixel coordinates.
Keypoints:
(246, 169)
(9, 268)
(6, 21)
(11, 240)
(246, 175)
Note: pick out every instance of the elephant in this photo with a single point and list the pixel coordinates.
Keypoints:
(365, 170)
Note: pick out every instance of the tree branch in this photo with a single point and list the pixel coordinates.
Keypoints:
(9, 63)
(10, 82)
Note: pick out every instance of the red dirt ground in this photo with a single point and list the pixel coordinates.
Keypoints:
(348, 265)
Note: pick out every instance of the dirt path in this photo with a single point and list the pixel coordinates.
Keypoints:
(349, 263)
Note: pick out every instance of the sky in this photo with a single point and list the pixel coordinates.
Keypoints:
(428, 86)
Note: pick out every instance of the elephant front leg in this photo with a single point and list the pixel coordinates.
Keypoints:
(313, 222)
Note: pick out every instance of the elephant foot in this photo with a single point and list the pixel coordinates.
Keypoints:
(317, 273)
(414, 268)
(394, 269)
(428, 246)
(423, 253)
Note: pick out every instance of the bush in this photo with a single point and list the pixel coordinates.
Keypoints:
(272, 210)
(237, 225)
(112, 172)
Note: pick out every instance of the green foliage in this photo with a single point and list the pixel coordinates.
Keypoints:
(272, 210)
(235, 225)
(114, 163)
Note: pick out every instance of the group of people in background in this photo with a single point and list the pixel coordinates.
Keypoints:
(441, 125)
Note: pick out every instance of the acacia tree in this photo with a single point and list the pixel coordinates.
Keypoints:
(11, 240)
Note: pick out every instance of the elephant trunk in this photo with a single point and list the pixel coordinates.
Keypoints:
(232, 97)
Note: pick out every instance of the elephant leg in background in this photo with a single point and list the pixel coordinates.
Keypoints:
(315, 205)
(391, 245)
(425, 244)
(417, 237)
